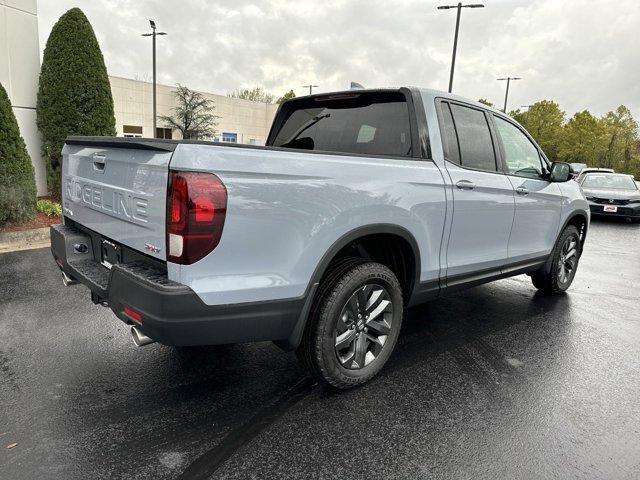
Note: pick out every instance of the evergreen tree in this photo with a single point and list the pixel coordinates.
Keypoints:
(74, 95)
(17, 181)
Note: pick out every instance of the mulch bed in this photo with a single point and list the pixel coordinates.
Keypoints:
(39, 221)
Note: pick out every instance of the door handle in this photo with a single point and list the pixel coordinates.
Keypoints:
(465, 185)
(98, 162)
(522, 191)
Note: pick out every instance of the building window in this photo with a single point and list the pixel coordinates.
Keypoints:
(166, 133)
(254, 141)
(132, 131)
(229, 137)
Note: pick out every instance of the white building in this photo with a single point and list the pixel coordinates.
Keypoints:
(19, 72)
(241, 121)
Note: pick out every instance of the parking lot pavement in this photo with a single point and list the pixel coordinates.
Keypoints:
(495, 382)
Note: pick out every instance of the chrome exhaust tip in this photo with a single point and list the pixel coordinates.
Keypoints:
(67, 280)
(139, 338)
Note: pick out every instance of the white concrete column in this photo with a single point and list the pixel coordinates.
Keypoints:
(19, 72)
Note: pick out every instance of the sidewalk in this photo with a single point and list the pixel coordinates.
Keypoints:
(24, 239)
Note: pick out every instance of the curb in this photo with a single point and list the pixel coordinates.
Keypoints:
(24, 239)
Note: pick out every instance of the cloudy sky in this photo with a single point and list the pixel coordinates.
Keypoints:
(582, 53)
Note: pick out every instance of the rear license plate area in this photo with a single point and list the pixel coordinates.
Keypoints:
(111, 254)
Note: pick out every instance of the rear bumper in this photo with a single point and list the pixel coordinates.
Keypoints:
(171, 313)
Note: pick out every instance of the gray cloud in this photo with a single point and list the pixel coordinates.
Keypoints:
(583, 54)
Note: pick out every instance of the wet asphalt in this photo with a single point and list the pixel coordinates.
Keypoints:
(494, 382)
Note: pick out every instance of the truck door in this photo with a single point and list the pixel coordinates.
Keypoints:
(538, 201)
(483, 197)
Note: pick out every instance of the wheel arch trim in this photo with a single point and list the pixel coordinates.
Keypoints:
(575, 214)
(363, 231)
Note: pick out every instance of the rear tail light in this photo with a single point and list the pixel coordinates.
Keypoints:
(196, 208)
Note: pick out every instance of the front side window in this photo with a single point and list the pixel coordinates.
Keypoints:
(367, 124)
(521, 156)
(474, 138)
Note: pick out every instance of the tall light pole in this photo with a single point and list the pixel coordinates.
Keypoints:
(459, 6)
(153, 35)
(311, 87)
(506, 94)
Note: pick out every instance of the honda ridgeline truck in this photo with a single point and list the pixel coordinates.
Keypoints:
(361, 204)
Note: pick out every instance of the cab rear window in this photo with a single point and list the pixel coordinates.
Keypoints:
(358, 123)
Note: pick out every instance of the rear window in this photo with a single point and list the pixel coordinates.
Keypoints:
(366, 123)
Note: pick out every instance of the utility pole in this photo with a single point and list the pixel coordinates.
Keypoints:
(459, 6)
(311, 87)
(153, 34)
(506, 95)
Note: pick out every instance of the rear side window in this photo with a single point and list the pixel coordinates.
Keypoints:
(369, 124)
(449, 137)
(474, 138)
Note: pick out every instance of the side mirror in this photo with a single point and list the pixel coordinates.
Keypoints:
(560, 172)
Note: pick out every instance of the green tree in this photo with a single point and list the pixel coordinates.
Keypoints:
(193, 116)
(583, 140)
(544, 121)
(74, 95)
(486, 102)
(621, 137)
(255, 94)
(287, 96)
(17, 181)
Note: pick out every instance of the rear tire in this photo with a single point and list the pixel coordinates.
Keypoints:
(564, 263)
(354, 324)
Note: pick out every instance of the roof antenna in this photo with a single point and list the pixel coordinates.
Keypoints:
(356, 86)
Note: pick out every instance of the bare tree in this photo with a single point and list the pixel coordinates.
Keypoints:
(255, 94)
(193, 115)
(286, 96)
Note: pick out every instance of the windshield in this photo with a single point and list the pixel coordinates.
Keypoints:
(612, 182)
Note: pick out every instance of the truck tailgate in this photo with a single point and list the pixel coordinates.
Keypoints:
(118, 190)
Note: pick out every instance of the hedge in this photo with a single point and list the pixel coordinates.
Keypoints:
(17, 181)
(74, 94)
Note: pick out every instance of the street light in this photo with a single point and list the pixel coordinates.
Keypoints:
(310, 87)
(153, 34)
(506, 95)
(459, 6)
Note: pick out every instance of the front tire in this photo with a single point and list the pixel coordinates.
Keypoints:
(354, 325)
(564, 263)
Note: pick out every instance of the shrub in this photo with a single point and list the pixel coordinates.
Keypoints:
(17, 181)
(49, 208)
(74, 95)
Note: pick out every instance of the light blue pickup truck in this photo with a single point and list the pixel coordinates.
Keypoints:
(361, 204)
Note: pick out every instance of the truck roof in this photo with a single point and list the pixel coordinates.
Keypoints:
(428, 92)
